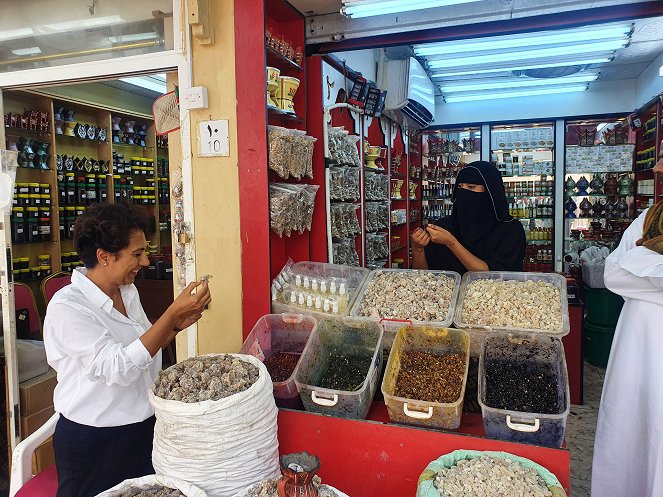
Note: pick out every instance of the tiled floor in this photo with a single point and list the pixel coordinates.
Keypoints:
(581, 426)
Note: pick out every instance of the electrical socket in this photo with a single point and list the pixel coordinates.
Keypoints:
(194, 98)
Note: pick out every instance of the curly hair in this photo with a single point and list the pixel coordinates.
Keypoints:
(108, 227)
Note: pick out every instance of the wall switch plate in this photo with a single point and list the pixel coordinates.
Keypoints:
(194, 98)
(213, 139)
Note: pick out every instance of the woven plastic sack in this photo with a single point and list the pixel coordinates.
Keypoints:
(425, 487)
(244, 492)
(221, 446)
(188, 489)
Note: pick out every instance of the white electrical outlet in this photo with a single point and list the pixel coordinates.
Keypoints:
(194, 98)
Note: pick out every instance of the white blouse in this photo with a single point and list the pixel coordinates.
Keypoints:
(103, 369)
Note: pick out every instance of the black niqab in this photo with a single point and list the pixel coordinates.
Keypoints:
(482, 224)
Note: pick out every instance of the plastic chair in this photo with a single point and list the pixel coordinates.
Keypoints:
(24, 298)
(21, 482)
(51, 284)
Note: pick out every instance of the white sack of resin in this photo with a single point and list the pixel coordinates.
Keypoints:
(154, 486)
(224, 445)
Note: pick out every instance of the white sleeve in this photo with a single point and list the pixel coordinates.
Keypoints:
(72, 333)
(635, 272)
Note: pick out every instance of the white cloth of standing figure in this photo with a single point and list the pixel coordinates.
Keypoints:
(628, 449)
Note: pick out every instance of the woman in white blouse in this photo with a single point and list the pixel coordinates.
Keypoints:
(107, 354)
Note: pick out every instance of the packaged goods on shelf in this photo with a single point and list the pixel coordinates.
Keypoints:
(376, 186)
(376, 264)
(377, 216)
(530, 138)
(291, 207)
(398, 216)
(376, 246)
(344, 221)
(290, 152)
(599, 158)
(345, 252)
(343, 147)
(344, 183)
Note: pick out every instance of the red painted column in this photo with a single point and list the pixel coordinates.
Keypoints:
(252, 159)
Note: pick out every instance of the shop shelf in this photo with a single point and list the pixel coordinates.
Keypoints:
(527, 427)
(438, 341)
(10, 130)
(343, 337)
(392, 325)
(478, 332)
(283, 117)
(276, 333)
(276, 59)
(79, 139)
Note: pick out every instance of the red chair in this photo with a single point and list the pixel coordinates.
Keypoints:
(53, 283)
(25, 299)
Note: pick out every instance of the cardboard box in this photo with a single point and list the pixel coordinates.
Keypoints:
(43, 457)
(30, 424)
(37, 394)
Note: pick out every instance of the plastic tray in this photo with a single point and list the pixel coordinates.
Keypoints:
(415, 411)
(355, 277)
(275, 333)
(392, 325)
(339, 335)
(478, 332)
(535, 428)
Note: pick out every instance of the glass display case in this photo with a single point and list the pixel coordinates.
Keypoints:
(598, 189)
(445, 152)
(525, 155)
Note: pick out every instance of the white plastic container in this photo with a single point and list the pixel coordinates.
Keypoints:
(339, 336)
(526, 427)
(478, 332)
(392, 325)
(274, 333)
(354, 276)
(438, 341)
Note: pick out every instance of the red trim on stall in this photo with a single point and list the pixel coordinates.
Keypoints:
(252, 160)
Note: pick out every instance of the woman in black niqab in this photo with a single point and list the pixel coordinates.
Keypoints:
(480, 235)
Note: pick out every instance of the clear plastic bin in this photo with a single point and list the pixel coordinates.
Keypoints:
(392, 325)
(527, 427)
(342, 336)
(439, 341)
(274, 333)
(478, 332)
(354, 276)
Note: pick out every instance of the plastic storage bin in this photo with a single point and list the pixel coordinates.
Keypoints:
(354, 276)
(339, 336)
(478, 332)
(440, 341)
(527, 427)
(392, 325)
(274, 333)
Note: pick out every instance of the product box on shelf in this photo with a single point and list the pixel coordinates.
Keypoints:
(278, 340)
(478, 328)
(346, 356)
(436, 341)
(531, 370)
(37, 393)
(392, 323)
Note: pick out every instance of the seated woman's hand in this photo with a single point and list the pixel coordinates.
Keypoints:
(439, 235)
(420, 238)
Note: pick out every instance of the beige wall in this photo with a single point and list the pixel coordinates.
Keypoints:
(216, 193)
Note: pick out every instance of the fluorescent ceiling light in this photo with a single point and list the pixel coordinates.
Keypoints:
(469, 97)
(79, 24)
(500, 84)
(506, 56)
(660, 71)
(523, 66)
(367, 8)
(595, 33)
(14, 34)
(147, 82)
(27, 51)
(133, 37)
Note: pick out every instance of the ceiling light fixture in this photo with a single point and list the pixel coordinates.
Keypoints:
(501, 84)
(366, 8)
(147, 82)
(522, 66)
(577, 35)
(129, 38)
(531, 55)
(470, 97)
(22, 52)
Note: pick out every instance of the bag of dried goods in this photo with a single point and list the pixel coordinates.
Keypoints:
(216, 423)
(154, 486)
(497, 474)
(267, 488)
